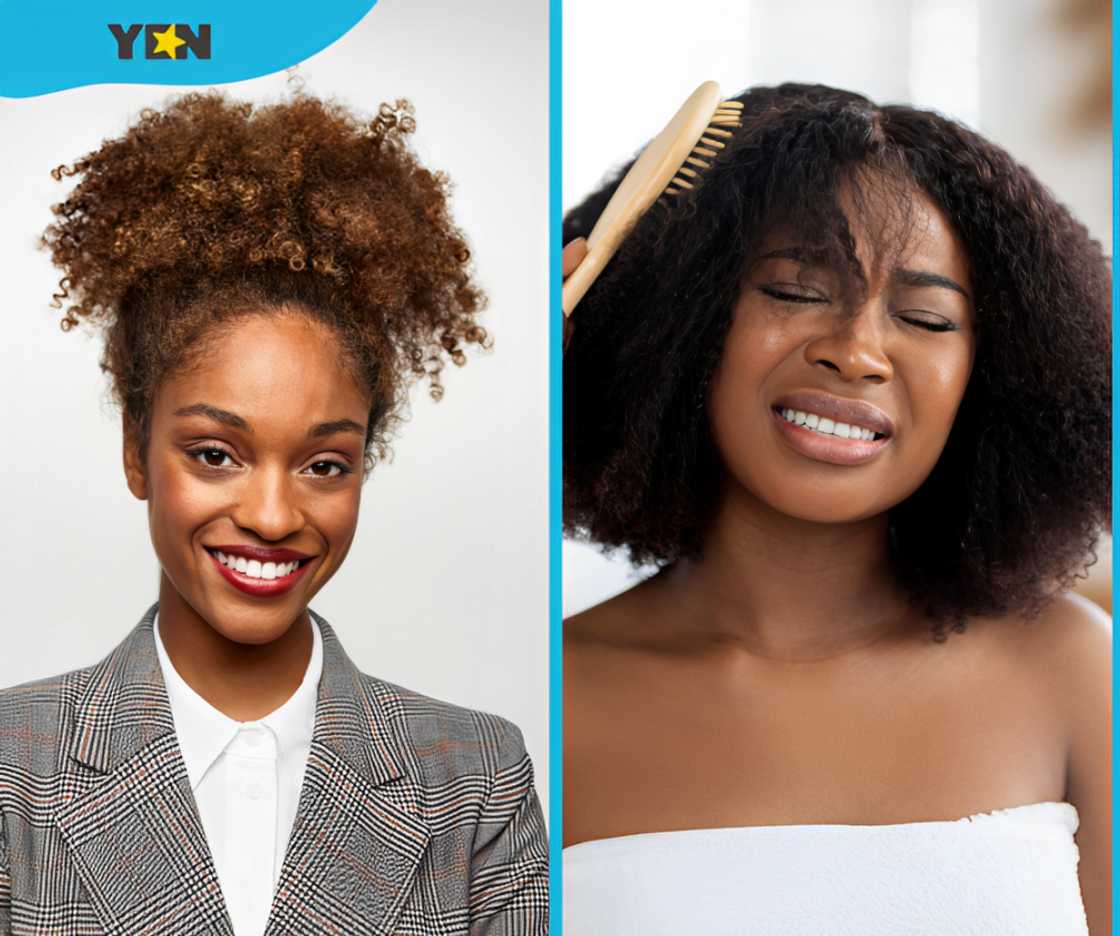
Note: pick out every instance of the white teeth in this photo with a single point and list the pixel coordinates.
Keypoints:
(255, 569)
(826, 426)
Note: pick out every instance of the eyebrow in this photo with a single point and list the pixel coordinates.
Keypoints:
(922, 278)
(236, 422)
(915, 278)
(799, 254)
(337, 425)
(218, 415)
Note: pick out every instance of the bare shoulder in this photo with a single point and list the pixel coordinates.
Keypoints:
(606, 659)
(1074, 653)
(1064, 656)
(1072, 649)
(1068, 648)
(616, 627)
(1077, 623)
(604, 622)
(588, 637)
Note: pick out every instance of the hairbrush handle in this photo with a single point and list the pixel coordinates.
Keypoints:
(576, 285)
(667, 164)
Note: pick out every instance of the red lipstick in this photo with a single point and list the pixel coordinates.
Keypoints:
(260, 587)
(260, 553)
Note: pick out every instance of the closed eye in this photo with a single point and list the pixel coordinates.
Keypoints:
(929, 323)
(791, 293)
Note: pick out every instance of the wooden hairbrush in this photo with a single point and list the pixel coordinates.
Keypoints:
(670, 164)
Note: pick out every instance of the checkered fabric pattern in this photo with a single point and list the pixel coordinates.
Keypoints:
(415, 818)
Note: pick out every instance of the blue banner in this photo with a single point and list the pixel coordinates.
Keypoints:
(50, 45)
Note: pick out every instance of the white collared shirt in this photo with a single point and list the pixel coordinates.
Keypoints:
(246, 778)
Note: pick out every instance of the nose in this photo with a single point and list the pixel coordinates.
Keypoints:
(852, 347)
(267, 505)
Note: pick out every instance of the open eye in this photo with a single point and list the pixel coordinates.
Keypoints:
(211, 456)
(327, 469)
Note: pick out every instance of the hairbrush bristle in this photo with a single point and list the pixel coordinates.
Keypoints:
(728, 114)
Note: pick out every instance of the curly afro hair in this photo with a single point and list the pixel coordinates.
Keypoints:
(208, 208)
(1011, 512)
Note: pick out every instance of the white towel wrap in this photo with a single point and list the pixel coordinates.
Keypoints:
(1012, 872)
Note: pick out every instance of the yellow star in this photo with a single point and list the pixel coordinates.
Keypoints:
(167, 42)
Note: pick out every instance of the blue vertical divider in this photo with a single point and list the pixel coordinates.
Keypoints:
(555, 505)
(1115, 462)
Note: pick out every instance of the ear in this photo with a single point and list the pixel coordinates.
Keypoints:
(134, 472)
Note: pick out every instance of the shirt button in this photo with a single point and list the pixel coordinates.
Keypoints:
(254, 792)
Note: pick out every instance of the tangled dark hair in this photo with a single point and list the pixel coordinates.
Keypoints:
(1012, 510)
(208, 209)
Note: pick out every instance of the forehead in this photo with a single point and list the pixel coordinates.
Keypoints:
(924, 239)
(271, 361)
(889, 226)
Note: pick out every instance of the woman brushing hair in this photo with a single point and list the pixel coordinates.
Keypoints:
(852, 396)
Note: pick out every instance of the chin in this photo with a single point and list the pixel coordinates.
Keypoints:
(822, 503)
(252, 626)
(818, 501)
(827, 511)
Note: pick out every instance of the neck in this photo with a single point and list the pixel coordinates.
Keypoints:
(790, 589)
(244, 681)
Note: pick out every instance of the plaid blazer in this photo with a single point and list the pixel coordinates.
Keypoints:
(415, 816)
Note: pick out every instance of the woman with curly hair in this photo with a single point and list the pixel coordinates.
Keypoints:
(852, 396)
(269, 280)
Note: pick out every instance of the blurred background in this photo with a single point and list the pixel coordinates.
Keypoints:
(1034, 76)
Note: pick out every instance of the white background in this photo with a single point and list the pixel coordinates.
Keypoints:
(446, 588)
(1005, 67)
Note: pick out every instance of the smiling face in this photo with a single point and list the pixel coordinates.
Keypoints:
(832, 403)
(253, 473)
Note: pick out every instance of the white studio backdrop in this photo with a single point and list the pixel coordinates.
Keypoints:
(1004, 67)
(445, 590)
